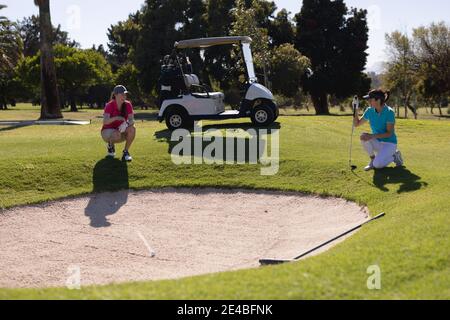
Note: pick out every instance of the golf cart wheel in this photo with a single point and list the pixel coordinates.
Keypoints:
(177, 119)
(277, 113)
(262, 116)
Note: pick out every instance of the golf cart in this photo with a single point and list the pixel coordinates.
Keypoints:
(185, 100)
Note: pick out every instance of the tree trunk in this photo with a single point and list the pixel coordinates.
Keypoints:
(440, 110)
(410, 107)
(320, 102)
(73, 106)
(413, 110)
(266, 78)
(50, 101)
(405, 103)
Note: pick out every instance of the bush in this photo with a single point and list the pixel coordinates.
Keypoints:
(283, 101)
(298, 101)
(288, 69)
(232, 97)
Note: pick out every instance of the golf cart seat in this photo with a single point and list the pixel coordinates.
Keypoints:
(191, 80)
(211, 95)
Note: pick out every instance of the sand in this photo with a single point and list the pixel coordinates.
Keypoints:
(162, 234)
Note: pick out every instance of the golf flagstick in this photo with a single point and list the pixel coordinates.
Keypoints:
(265, 262)
(355, 106)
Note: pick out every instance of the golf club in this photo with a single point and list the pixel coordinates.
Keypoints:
(266, 262)
(355, 106)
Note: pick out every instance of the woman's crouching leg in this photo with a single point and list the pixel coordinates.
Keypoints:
(385, 156)
(130, 135)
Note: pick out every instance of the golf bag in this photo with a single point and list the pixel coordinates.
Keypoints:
(171, 82)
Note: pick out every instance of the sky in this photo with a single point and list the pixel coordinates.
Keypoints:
(87, 21)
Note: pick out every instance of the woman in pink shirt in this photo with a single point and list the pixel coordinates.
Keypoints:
(118, 123)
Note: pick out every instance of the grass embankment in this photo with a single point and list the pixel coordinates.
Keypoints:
(410, 245)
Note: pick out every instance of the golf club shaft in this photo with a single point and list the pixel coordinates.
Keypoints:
(275, 262)
(351, 144)
(339, 236)
(355, 105)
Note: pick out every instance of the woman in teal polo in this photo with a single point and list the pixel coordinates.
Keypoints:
(382, 144)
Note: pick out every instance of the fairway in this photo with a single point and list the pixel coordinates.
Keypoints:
(410, 245)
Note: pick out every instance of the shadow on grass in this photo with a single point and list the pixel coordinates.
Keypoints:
(166, 133)
(226, 148)
(237, 126)
(442, 116)
(316, 115)
(16, 126)
(407, 180)
(109, 175)
(150, 116)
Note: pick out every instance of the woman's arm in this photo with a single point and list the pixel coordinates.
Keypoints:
(358, 121)
(130, 114)
(108, 120)
(388, 134)
(131, 119)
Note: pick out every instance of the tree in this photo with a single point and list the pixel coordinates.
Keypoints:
(78, 71)
(28, 75)
(375, 79)
(218, 60)
(128, 75)
(101, 49)
(29, 28)
(10, 44)
(161, 26)
(50, 102)
(418, 66)
(335, 40)
(122, 40)
(264, 12)
(401, 76)
(281, 29)
(288, 68)
(10, 53)
(194, 26)
(432, 50)
(245, 25)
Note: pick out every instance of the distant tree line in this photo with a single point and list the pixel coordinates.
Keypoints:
(325, 37)
(83, 76)
(319, 51)
(418, 68)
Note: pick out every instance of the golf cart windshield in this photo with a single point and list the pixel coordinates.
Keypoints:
(243, 41)
(210, 42)
(249, 62)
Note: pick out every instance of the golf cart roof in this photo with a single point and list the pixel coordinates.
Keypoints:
(209, 42)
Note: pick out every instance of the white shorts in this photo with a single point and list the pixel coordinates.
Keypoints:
(382, 151)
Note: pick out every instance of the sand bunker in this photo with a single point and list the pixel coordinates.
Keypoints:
(162, 234)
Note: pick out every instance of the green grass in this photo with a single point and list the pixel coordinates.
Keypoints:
(25, 111)
(411, 244)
